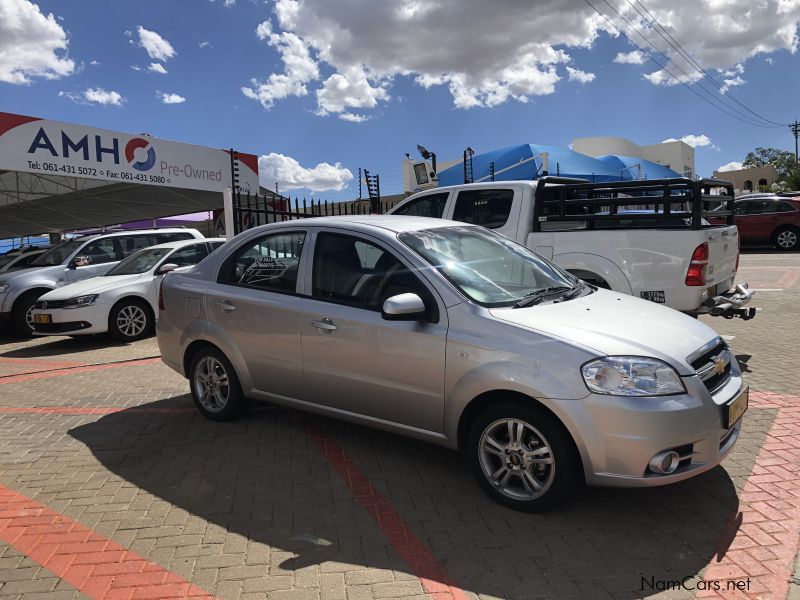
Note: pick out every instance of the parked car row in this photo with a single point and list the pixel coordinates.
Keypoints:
(768, 219)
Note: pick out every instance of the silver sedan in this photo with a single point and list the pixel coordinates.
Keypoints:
(453, 334)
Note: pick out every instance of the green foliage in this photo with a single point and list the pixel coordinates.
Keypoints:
(782, 160)
(792, 181)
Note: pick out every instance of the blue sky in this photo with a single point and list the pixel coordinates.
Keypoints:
(350, 61)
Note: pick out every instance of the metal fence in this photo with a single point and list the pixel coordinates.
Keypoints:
(251, 210)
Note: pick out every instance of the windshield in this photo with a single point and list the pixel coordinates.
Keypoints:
(4, 260)
(58, 254)
(139, 262)
(490, 269)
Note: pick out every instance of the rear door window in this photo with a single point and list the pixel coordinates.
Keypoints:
(489, 208)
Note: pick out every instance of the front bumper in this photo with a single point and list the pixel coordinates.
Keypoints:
(73, 321)
(619, 435)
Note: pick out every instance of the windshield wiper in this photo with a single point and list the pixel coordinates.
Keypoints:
(538, 295)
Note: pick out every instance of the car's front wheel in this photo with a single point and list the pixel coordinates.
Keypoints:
(523, 456)
(130, 320)
(215, 387)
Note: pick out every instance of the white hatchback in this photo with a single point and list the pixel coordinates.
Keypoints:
(124, 301)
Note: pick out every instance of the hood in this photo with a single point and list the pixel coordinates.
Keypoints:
(47, 273)
(95, 285)
(617, 324)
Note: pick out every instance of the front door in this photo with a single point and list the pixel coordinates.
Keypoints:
(94, 259)
(254, 301)
(353, 359)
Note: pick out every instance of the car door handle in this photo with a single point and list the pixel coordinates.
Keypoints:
(226, 306)
(324, 325)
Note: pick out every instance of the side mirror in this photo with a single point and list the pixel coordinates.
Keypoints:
(79, 261)
(166, 268)
(404, 307)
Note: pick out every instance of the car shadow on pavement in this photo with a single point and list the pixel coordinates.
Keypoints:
(58, 346)
(264, 478)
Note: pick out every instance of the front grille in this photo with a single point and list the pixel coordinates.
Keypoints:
(44, 304)
(713, 366)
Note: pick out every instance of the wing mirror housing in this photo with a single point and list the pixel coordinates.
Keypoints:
(166, 268)
(404, 307)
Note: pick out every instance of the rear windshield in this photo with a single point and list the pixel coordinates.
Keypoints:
(58, 254)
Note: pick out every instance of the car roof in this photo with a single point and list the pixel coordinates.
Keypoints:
(182, 243)
(393, 223)
(94, 236)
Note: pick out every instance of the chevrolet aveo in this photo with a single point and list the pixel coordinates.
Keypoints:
(456, 335)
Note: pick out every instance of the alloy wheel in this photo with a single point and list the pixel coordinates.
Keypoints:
(516, 459)
(787, 239)
(211, 384)
(131, 320)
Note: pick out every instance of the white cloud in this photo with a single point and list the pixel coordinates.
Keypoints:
(156, 46)
(290, 175)
(731, 166)
(167, 98)
(300, 68)
(353, 117)
(580, 76)
(375, 42)
(136, 67)
(95, 96)
(95, 62)
(630, 58)
(695, 141)
(204, 44)
(157, 68)
(31, 44)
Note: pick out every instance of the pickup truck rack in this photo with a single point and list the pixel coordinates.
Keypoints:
(678, 203)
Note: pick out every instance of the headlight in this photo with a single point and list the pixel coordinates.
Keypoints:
(3, 288)
(631, 376)
(80, 301)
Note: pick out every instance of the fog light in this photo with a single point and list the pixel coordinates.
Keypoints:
(665, 463)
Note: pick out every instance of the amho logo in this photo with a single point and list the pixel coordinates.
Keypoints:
(130, 154)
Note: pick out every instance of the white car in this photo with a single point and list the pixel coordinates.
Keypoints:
(124, 301)
(16, 261)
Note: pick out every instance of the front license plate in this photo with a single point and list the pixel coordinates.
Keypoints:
(734, 409)
(44, 319)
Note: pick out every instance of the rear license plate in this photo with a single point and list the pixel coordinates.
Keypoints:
(734, 409)
(44, 319)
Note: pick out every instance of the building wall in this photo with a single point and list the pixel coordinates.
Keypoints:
(750, 180)
(677, 155)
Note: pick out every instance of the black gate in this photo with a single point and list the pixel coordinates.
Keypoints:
(251, 210)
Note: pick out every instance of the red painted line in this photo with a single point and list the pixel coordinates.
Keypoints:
(38, 361)
(761, 541)
(75, 370)
(91, 563)
(78, 410)
(411, 549)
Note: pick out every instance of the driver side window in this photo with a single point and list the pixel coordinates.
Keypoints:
(99, 252)
(353, 271)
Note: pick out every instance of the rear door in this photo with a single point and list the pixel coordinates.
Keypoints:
(353, 359)
(255, 302)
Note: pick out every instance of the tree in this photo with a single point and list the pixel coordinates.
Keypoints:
(782, 160)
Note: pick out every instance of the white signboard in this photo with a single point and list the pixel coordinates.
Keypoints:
(47, 147)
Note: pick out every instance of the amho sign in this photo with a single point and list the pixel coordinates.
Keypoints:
(50, 147)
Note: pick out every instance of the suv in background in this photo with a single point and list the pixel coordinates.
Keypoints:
(71, 261)
(769, 220)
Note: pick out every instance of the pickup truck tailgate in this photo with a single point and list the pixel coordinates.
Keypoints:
(723, 250)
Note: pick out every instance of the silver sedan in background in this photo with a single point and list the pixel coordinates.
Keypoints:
(456, 335)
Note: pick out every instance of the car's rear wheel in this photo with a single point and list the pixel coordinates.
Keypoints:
(522, 456)
(215, 387)
(786, 238)
(130, 320)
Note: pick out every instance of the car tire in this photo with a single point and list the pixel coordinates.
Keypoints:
(530, 472)
(215, 388)
(786, 238)
(21, 322)
(130, 320)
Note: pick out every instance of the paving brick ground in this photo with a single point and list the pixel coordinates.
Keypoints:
(274, 505)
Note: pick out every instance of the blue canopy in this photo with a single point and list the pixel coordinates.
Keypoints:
(638, 168)
(518, 162)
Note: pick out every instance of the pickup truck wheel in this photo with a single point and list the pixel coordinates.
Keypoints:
(21, 317)
(786, 238)
(215, 387)
(522, 456)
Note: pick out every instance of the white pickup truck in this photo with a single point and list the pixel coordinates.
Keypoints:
(645, 238)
